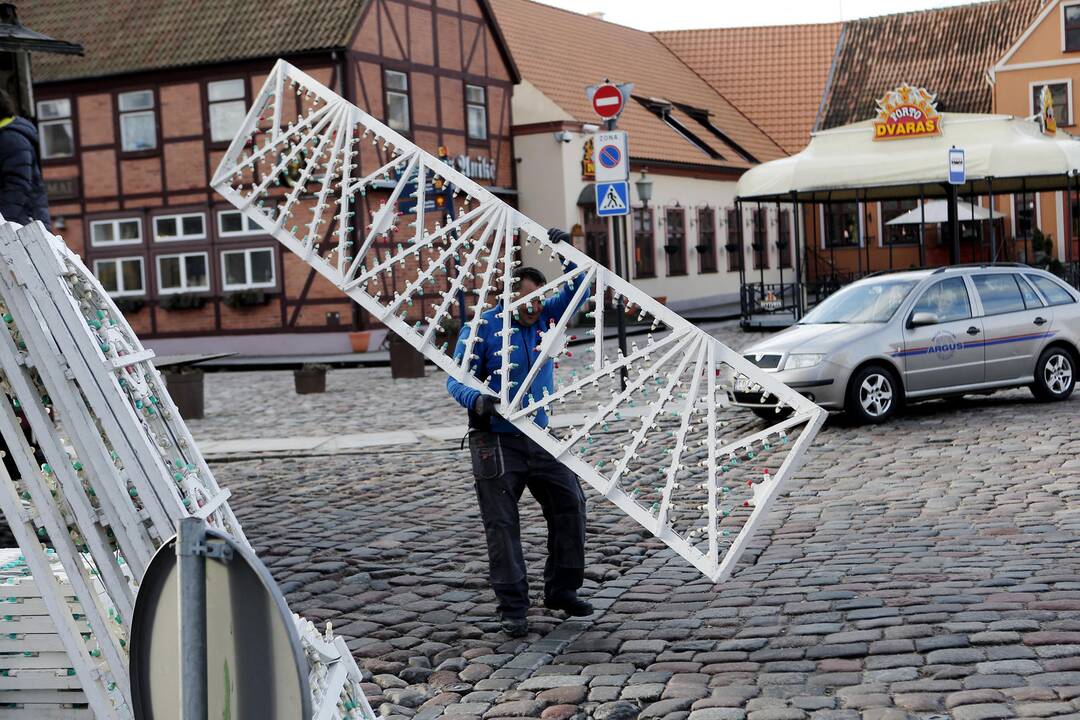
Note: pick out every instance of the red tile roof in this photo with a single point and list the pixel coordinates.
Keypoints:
(947, 51)
(561, 52)
(776, 75)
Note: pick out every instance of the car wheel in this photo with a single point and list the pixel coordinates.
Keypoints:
(873, 394)
(1055, 375)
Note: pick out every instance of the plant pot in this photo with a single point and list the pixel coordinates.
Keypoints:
(186, 390)
(731, 247)
(671, 249)
(405, 360)
(703, 248)
(309, 380)
(756, 247)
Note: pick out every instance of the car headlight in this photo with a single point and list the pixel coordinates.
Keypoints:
(798, 361)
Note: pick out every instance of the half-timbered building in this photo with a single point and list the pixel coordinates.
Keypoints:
(132, 132)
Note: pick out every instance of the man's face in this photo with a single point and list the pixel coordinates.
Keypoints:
(529, 313)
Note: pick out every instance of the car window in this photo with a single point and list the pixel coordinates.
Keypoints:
(864, 302)
(1051, 290)
(1031, 298)
(999, 293)
(948, 300)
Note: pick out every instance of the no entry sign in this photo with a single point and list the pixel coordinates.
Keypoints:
(607, 101)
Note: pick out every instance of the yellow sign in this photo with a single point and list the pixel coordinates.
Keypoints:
(588, 166)
(1046, 111)
(906, 112)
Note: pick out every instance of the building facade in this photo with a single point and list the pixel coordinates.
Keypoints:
(691, 142)
(131, 137)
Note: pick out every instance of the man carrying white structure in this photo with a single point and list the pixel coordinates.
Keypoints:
(505, 461)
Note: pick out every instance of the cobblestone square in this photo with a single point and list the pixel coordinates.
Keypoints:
(924, 569)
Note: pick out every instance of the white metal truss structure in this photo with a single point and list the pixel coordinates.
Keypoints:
(327, 180)
(104, 468)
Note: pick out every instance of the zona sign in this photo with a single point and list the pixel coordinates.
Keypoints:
(907, 112)
(607, 101)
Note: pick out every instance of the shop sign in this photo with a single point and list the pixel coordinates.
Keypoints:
(62, 188)
(588, 165)
(907, 112)
(1046, 111)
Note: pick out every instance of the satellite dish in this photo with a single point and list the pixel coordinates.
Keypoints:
(255, 668)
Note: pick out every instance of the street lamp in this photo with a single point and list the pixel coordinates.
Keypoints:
(644, 187)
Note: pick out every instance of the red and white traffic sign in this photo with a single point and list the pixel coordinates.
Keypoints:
(607, 101)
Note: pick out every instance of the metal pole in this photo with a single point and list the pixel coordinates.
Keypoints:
(191, 566)
(1069, 221)
(797, 239)
(993, 230)
(620, 304)
(885, 232)
(744, 308)
(954, 224)
(780, 254)
(861, 230)
(976, 230)
(761, 248)
(922, 226)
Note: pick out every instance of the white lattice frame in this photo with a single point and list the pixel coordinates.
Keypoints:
(351, 282)
(78, 377)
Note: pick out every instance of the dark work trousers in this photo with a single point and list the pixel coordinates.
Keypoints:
(504, 465)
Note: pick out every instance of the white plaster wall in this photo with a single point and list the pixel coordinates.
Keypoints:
(549, 184)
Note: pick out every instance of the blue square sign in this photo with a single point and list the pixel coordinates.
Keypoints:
(957, 167)
(612, 198)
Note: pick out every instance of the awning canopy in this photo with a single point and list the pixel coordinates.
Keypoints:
(846, 163)
(937, 211)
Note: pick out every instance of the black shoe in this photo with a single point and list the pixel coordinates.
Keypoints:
(515, 627)
(574, 606)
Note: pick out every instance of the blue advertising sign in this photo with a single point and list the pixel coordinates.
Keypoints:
(957, 167)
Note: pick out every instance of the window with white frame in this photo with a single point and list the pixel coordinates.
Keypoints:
(184, 272)
(476, 112)
(225, 99)
(1061, 92)
(121, 276)
(1070, 27)
(121, 231)
(233, 223)
(188, 226)
(246, 269)
(57, 137)
(396, 93)
(138, 127)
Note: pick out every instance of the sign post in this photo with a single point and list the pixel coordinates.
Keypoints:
(612, 162)
(957, 177)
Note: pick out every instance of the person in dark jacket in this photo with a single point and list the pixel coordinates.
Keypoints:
(22, 189)
(505, 461)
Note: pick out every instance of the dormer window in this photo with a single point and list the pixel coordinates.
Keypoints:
(665, 111)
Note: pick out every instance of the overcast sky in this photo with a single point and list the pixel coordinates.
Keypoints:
(682, 14)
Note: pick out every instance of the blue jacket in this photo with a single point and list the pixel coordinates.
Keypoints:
(22, 190)
(525, 344)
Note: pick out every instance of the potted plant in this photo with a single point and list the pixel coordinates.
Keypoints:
(731, 247)
(671, 249)
(703, 248)
(182, 301)
(129, 306)
(185, 385)
(756, 246)
(246, 298)
(310, 378)
(405, 360)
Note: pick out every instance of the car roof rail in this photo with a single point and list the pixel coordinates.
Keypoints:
(876, 273)
(983, 265)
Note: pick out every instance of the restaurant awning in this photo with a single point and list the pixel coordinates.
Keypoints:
(937, 211)
(847, 163)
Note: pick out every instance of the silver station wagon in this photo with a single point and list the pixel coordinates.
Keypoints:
(906, 336)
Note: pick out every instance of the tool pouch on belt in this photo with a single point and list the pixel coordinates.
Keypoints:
(487, 456)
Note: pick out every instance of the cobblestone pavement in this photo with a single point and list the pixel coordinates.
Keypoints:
(926, 569)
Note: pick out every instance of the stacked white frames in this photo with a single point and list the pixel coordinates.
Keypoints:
(111, 471)
(669, 449)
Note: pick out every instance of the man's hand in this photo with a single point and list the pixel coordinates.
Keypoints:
(484, 406)
(556, 235)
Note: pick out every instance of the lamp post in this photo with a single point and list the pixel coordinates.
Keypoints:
(644, 187)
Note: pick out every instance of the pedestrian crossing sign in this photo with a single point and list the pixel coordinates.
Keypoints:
(612, 198)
